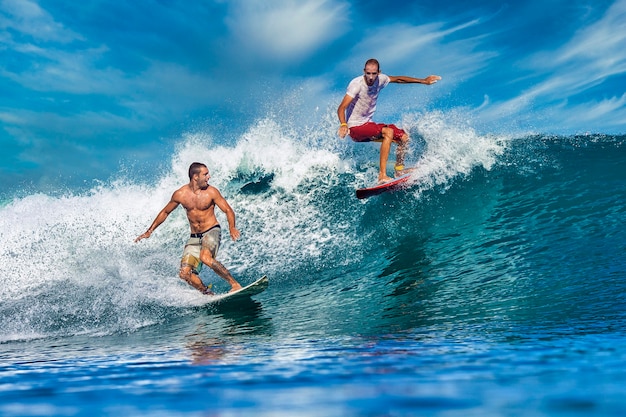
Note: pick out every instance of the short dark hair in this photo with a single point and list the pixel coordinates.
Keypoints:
(372, 61)
(195, 169)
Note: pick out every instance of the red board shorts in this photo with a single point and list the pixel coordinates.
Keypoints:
(371, 131)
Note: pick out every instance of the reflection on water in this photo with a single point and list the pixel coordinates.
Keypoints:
(243, 317)
(208, 344)
(205, 350)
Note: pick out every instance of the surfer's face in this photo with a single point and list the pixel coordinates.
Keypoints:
(203, 178)
(370, 73)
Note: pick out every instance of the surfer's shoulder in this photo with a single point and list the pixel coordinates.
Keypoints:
(181, 193)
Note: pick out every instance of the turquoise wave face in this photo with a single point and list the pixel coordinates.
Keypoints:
(525, 230)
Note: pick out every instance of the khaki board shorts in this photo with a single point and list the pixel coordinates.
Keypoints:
(208, 240)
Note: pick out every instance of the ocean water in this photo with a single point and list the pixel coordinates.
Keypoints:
(495, 285)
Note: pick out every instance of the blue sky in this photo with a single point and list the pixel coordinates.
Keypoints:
(92, 84)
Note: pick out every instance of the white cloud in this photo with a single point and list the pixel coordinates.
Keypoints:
(602, 42)
(286, 29)
(593, 54)
(73, 71)
(44, 57)
(404, 49)
(77, 125)
(26, 17)
(11, 118)
(585, 62)
(612, 111)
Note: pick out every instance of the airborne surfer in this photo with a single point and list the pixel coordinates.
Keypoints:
(357, 109)
(199, 200)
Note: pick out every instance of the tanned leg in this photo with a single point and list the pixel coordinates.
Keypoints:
(208, 260)
(192, 279)
(401, 150)
(385, 147)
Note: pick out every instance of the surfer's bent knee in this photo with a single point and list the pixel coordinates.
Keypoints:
(387, 132)
(186, 271)
(191, 263)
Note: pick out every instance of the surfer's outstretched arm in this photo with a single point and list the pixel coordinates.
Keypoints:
(160, 218)
(403, 79)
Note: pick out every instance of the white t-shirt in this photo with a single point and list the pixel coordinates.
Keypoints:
(363, 104)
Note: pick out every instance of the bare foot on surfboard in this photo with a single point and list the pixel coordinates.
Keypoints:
(235, 288)
(402, 172)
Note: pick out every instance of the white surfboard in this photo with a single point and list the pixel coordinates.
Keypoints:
(248, 291)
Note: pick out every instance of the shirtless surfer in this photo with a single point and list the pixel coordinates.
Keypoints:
(199, 199)
(357, 109)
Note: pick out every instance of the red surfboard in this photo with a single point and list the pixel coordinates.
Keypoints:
(392, 185)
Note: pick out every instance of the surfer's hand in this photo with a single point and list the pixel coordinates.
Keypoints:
(234, 233)
(343, 131)
(143, 236)
(432, 79)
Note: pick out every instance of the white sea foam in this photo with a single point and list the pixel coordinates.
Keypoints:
(72, 258)
(453, 149)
